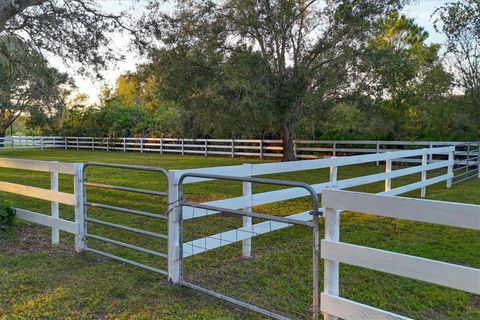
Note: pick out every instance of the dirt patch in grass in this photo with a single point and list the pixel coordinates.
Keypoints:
(27, 239)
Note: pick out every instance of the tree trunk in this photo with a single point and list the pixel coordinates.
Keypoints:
(289, 153)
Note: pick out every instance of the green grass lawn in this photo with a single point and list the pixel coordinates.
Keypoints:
(38, 281)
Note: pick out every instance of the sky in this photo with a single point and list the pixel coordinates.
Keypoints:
(420, 10)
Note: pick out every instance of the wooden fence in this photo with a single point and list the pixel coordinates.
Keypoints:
(334, 252)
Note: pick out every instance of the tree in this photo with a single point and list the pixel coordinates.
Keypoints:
(401, 72)
(75, 30)
(28, 85)
(306, 47)
(460, 22)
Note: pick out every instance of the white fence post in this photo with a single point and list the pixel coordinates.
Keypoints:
(79, 207)
(478, 160)
(261, 148)
(423, 191)
(141, 145)
(233, 148)
(295, 148)
(183, 147)
(174, 231)
(161, 145)
(388, 181)
(78, 145)
(66, 143)
(451, 157)
(93, 144)
(124, 145)
(55, 212)
(206, 147)
(334, 151)
(332, 268)
(41, 143)
(247, 221)
(378, 151)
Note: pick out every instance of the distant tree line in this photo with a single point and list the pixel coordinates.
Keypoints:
(352, 69)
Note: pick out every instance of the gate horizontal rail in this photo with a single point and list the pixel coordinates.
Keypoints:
(142, 213)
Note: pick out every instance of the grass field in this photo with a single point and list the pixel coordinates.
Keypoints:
(38, 281)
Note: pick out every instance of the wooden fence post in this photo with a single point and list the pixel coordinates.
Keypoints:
(124, 145)
(78, 146)
(161, 145)
(247, 221)
(79, 207)
(334, 151)
(55, 211)
(93, 144)
(261, 148)
(183, 147)
(141, 145)
(233, 148)
(388, 181)
(41, 143)
(423, 191)
(206, 147)
(66, 143)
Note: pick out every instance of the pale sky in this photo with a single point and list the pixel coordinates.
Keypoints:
(420, 10)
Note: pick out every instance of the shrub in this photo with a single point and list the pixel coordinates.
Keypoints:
(7, 215)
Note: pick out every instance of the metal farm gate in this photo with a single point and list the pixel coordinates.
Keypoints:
(111, 239)
(269, 266)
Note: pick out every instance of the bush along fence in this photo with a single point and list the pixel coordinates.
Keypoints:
(467, 154)
(182, 248)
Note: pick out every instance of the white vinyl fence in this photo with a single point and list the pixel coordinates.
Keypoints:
(335, 252)
(430, 172)
(305, 149)
(467, 154)
(53, 195)
(249, 200)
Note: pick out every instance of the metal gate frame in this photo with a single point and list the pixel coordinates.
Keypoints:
(314, 224)
(124, 210)
(468, 166)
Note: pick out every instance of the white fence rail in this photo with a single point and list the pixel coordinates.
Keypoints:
(249, 200)
(467, 154)
(305, 149)
(335, 252)
(52, 195)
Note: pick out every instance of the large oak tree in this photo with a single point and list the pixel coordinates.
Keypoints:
(307, 46)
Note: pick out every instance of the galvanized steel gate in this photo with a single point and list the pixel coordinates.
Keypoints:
(94, 221)
(313, 308)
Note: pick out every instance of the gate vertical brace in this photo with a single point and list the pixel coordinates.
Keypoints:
(174, 230)
(78, 188)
